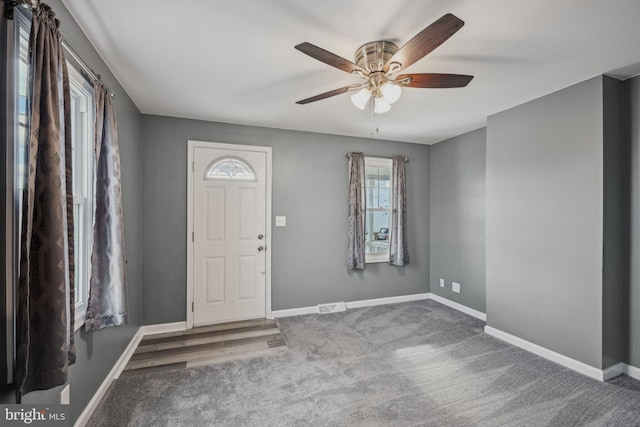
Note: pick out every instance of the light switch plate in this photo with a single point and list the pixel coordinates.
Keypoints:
(281, 221)
(455, 287)
(442, 283)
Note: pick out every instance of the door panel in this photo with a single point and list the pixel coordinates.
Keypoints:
(214, 279)
(246, 277)
(247, 209)
(216, 218)
(229, 270)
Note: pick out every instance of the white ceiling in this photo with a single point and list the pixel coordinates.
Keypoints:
(234, 61)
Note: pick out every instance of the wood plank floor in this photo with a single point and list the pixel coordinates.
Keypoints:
(205, 346)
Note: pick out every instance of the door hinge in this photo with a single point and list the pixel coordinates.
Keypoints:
(193, 166)
(192, 306)
(192, 236)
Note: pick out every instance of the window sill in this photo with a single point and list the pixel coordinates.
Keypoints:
(79, 320)
(376, 260)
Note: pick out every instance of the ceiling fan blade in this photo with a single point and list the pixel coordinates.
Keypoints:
(325, 95)
(435, 81)
(329, 58)
(426, 41)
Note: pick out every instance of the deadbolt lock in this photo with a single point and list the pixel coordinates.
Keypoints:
(260, 236)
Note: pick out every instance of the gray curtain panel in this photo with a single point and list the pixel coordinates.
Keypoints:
(45, 304)
(399, 249)
(108, 287)
(356, 241)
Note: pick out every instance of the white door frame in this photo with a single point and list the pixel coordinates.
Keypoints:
(192, 145)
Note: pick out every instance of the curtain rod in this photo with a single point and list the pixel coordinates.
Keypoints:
(406, 159)
(32, 4)
(91, 74)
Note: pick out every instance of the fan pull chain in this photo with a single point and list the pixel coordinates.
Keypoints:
(371, 121)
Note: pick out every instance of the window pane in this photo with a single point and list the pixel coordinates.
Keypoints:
(384, 197)
(372, 197)
(234, 169)
(378, 198)
(78, 216)
(372, 176)
(20, 143)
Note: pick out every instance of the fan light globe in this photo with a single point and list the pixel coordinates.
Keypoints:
(361, 98)
(381, 105)
(390, 92)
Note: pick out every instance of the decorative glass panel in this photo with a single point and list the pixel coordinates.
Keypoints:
(230, 168)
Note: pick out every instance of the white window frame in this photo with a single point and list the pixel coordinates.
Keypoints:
(377, 162)
(82, 131)
(16, 168)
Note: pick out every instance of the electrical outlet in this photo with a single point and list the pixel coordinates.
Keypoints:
(65, 395)
(455, 287)
(281, 221)
(442, 283)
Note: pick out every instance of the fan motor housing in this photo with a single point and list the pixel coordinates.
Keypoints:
(373, 55)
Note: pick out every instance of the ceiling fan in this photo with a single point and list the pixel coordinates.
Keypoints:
(378, 63)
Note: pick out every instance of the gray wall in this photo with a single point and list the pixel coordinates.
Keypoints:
(457, 218)
(633, 295)
(309, 187)
(544, 226)
(98, 351)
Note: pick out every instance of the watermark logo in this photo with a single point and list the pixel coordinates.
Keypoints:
(34, 415)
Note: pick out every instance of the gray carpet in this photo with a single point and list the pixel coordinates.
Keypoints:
(415, 363)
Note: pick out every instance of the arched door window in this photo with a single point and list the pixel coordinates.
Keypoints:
(230, 168)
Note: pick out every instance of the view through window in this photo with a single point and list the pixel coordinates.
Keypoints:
(378, 208)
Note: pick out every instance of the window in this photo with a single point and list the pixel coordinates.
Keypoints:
(20, 160)
(82, 141)
(230, 169)
(82, 136)
(378, 209)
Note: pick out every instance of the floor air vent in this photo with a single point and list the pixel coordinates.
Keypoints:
(332, 308)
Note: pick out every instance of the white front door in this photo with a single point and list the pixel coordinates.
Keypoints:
(229, 234)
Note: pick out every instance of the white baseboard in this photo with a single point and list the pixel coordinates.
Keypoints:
(455, 305)
(382, 301)
(295, 311)
(558, 358)
(120, 364)
(632, 371)
(581, 367)
(163, 328)
(351, 304)
(613, 371)
(113, 374)
(387, 300)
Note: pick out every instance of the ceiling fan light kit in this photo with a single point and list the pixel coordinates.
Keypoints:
(391, 92)
(380, 105)
(378, 62)
(377, 84)
(360, 98)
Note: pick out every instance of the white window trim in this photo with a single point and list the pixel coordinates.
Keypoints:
(86, 117)
(378, 162)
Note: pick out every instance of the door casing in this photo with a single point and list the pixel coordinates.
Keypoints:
(190, 185)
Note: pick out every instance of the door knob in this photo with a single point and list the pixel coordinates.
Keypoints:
(261, 248)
